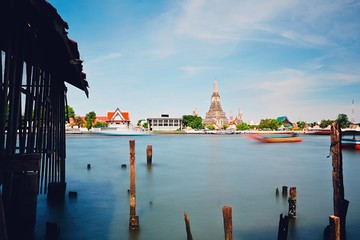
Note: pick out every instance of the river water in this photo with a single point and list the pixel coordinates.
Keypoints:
(199, 174)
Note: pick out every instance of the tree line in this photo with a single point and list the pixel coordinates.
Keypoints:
(196, 122)
(89, 121)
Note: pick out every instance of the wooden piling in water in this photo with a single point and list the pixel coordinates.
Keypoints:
(3, 233)
(227, 215)
(149, 154)
(187, 225)
(52, 231)
(134, 220)
(334, 228)
(283, 227)
(292, 203)
(284, 191)
(340, 203)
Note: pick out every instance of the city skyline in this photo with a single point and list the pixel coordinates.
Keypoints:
(270, 59)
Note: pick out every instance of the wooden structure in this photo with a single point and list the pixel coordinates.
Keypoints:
(283, 227)
(134, 219)
(36, 59)
(227, 216)
(149, 154)
(340, 203)
(187, 226)
(292, 203)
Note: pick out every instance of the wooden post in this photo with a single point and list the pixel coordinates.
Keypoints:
(334, 228)
(284, 191)
(340, 203)
(134, 220)
(3, 233)
(52, 231)
(283, 227)
(292, 203)
(227, 215)
(188, 229)
(149, 154)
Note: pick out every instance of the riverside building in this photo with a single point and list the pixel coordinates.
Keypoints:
(164, 123)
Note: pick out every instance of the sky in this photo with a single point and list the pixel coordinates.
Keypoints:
(299, 59)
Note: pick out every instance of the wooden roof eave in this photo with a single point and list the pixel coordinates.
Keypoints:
(57, 54)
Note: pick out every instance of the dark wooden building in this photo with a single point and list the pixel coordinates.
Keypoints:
(36, 59)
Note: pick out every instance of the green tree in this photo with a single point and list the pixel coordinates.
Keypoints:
(195, 122)
(225, 126)
(343, 120)
(78, 121)
(69, 113)
(100, 124)
(187, 119)
(145, 125)
(210, 127)
(90, 119)
(139, 122)
(324, 123)
(242, 126)
(272, 124)
(301, 124)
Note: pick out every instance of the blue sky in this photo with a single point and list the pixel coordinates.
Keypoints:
(270, 58)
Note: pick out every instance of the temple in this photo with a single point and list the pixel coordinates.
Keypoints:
(215, 116)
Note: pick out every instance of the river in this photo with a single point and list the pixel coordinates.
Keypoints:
(199, 174)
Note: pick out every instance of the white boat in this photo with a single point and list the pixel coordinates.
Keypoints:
(134, 131)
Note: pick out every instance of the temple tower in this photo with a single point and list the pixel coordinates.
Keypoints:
(215, 115)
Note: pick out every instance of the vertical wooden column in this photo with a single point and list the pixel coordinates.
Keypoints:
(334, 223)
(284, 191)
(227, 215)
(149, 154)
(3, 233)
(134, 220)
(340, 204)
(283, 227)
(292, 202)
(187, 225)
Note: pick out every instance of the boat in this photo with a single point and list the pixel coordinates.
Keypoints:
(349, 139)
(318, 131)
(274, 138)
(121, 131)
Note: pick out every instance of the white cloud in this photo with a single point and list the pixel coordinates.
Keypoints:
(192, 70)
(105, 58)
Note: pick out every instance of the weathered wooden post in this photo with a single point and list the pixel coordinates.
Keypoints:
(284, 191)
(283, 227)
(134, 220)
(52, 231)
(149, 154)
(334, 223)
(340, 203)
(227, 215)
(292, 202)
(3, 232)
(188, 229)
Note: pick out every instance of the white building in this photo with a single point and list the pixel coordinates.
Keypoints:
(164, 123)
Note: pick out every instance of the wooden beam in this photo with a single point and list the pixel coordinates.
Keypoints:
(20, 162)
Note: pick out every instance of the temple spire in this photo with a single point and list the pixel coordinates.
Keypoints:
(216, 86)
(215, 116)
